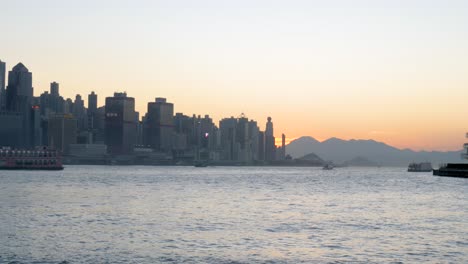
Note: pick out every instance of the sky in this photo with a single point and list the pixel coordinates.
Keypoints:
(394, 71)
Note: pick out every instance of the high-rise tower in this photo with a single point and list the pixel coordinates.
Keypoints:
(54, 89)
(92, 110)
(2, 84)
(270, 147)
(159, 125)
(92, 102)
(19, 97)
(19, 92)
(120, 125)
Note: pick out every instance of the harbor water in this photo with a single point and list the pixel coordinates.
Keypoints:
(138, 214)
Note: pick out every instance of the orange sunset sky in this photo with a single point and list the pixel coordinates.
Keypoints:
(392, 71)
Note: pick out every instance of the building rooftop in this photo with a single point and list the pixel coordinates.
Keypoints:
(20, 68)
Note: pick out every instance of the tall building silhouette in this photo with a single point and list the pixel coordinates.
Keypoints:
(62, 130)
(120, 127)
(19, 98)
(79, 112)
(92, 102)
(51, 103)
(2, 84)
(19, 92)
(54, 89)
(92, 110)
(270, 147)
(159, 125)
(230, 146)
(261, 145)
(282, 155)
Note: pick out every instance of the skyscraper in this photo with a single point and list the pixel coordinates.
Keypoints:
(92, 102)
(253, 139)
(2, 84)
(92, 109)
(19, 93)
(80, 113)
(230, 146)
(120, 127)
(283, 147)
(159, 125)
(51, 102)
(261, 145)
(54, 89)
(270, 147)
(19, 97)
(61, 131)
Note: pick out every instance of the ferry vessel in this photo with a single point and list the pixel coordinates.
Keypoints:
(420, 167)
(37, 159)
(455, 169)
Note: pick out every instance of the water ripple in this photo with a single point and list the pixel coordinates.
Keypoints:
(110, 214)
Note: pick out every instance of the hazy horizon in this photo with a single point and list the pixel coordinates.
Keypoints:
(392, 71)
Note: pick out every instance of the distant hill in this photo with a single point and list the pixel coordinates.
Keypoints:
(340, 151)
(313, 157)
(361, 162)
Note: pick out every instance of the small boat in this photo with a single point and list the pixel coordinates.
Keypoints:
(420, 167)
(328, 167)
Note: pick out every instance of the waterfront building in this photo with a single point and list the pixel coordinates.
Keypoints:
(54, 89)
(99, 125)
(19, 92)
(68, 106)
(261, 145)
(159, 125)
(282, 149)
(230, 146)
(56, 101)
(92, 109)
(254, 131)
(247, 138)
(88, 151)
(2, 84)
(36, 126)
(205, 137)
(120, 127)
(270, 147)
(11, 124)
(19, 98)
(184, 135)
(139, 140)
(92, 102)
(242, 138)
(91, 117)
(239, 139)
(79, 112)
(51, 103)
(62, 131)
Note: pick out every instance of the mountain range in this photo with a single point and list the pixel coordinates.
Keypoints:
(342, 151)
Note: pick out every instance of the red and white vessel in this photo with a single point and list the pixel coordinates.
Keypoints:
(37, 159)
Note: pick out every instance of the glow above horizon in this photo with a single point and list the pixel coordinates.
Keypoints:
(393, 71)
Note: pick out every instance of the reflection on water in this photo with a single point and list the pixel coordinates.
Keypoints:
(97, 214)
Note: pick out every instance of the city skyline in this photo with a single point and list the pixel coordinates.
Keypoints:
(392, 72)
